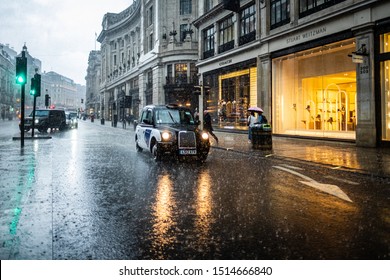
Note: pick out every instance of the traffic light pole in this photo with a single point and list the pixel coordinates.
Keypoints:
(22, 116)
(22, 104)
(33, 120)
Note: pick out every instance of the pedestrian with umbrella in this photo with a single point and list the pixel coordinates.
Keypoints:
(252, 120)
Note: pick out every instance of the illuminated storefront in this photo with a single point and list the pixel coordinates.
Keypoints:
(314, 92)
(385, 85)
(230, 92)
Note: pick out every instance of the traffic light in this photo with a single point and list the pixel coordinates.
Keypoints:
(33, 90)
(21, 70)
(36, 85)
(47, 100)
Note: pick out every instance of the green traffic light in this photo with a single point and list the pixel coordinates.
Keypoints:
(20, 80)
(21, 70)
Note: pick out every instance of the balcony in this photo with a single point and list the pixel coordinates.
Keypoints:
(225, 47)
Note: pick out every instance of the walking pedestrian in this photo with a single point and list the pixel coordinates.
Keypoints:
(207, 126)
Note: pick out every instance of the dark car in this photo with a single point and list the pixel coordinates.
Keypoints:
(71, 119)
(171, 131)
(45, 119)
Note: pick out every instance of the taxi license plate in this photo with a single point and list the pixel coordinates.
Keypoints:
(187, 152)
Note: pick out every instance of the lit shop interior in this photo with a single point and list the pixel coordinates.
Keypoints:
(314, 92)
(385, 85)
(230, 96)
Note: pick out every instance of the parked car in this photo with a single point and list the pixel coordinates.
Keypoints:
(71, 119)
(171, 131)
(45, 119)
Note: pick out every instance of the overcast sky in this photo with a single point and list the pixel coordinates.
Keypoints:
(59, 33)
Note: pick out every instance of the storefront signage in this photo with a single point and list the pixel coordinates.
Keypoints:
(306, 35)
(357, 58)
(222, 63)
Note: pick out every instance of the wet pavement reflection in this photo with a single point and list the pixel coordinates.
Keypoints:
(87, 194)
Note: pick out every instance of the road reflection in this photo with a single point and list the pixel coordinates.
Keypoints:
(204, 206)
(163, 222)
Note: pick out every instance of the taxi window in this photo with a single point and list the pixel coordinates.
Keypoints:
(147, 117)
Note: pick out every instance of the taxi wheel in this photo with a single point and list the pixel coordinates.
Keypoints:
(156, 154)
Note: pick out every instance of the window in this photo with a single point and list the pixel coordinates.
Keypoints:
(185, 7)
(307, 7)
(151, 42)
(248, 24)
(226, 35)
(181, 73)
(150, 16)
(208, 42)
(280, 13)
(384, 57)
(183, 32)
(208, 5)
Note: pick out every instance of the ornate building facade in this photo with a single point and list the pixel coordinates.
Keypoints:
(148, 56)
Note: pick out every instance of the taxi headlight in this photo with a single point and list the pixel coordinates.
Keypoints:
(36, 121)
(205, 136)
(166, 136)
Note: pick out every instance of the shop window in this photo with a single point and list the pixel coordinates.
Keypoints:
(307, 7)
(385, 91)
(226, 35)
(237, 92)
(385, 43)
(314, 92)
(385, 85)
(248, 24)
(208, 42)
(280, 13)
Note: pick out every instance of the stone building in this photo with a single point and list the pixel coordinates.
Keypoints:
(64, 92)
(148, 54)
(8, 89)
(319, 69)
(93, 78)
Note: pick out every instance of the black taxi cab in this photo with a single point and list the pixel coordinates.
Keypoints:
(170, 131)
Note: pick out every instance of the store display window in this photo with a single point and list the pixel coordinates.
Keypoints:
(237, 91)
(314, 92)
(385, 87)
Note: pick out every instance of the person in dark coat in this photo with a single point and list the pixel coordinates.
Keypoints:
(207, 126)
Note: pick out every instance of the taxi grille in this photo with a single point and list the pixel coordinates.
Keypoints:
(187, 139)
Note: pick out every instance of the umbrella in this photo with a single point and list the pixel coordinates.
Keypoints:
(255, 109)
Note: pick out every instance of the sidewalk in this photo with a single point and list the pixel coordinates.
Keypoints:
(337, 155)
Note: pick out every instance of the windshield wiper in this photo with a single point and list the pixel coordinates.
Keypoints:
(175, 122)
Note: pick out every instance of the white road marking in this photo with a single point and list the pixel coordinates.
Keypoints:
(327, 188)
(342, 180)
(292, 167)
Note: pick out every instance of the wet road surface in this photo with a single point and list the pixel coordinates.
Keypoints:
(87, 194)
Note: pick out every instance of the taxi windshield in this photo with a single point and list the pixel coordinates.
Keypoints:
(170, 116)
